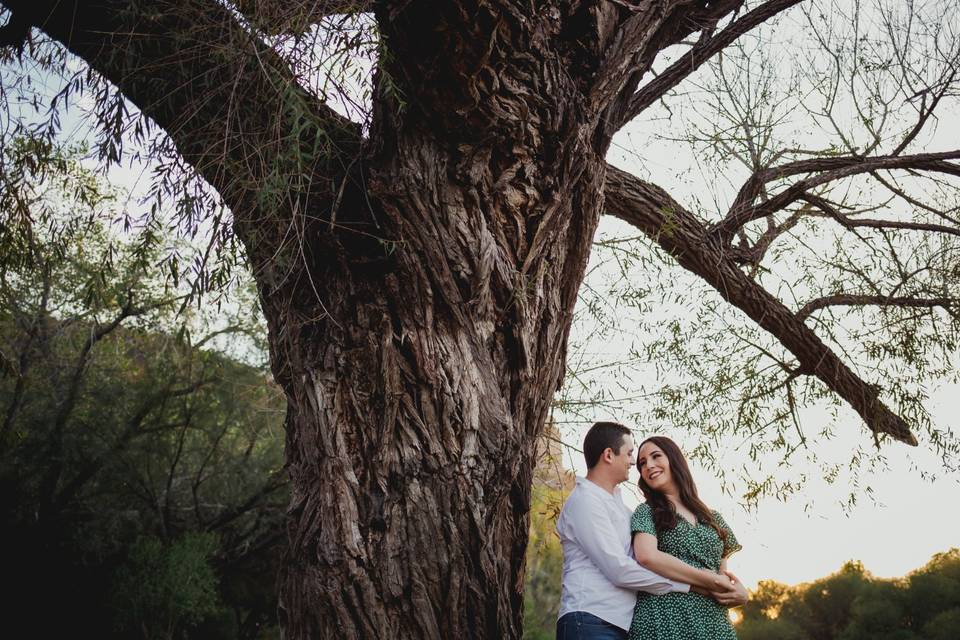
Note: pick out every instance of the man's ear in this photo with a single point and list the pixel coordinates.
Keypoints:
(608, 455)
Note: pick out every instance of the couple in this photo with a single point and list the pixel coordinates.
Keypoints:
(679, 544)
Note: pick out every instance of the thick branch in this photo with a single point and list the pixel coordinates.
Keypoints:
(830, 210)
(229, 103)
(854, 300)
(686, 238)
(698, 55)
(15, 33)
(827, 170)
(633, 62)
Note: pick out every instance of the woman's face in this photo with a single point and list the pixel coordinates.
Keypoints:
(654, 467)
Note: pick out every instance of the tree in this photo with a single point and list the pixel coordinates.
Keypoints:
(542, 577)
(418, 272)
(162, 588)
(852, 604)
(933, 594)
(134, 457)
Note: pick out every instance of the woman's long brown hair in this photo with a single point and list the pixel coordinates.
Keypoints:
(664, 513)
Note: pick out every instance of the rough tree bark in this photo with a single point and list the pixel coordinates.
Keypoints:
(419, 284)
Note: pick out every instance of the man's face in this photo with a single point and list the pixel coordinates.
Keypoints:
(622, 462)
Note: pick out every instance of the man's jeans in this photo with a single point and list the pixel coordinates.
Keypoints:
(580, 625)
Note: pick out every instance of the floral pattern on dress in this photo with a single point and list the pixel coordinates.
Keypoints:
(684, 616)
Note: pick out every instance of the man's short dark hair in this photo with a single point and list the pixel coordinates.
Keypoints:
(600, 437)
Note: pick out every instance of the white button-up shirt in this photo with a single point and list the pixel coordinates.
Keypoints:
(600, 575)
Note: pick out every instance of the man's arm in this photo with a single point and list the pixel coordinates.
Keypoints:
(589, 525)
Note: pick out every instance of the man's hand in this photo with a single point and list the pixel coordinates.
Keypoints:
(735, 596)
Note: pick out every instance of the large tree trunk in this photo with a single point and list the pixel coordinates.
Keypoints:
(419, 378)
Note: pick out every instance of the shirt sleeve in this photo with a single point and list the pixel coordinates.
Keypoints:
(642, 521)
(731, 545)
(589, 525)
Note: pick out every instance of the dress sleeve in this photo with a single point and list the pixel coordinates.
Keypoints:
(731, 546)
(642, 521)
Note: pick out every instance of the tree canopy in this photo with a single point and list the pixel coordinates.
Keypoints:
(852, 604)
(140, 464)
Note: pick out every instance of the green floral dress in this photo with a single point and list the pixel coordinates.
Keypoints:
(683, 616)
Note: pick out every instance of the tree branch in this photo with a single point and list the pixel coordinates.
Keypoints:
(852, 300)
(97, 333)
(231, 106)
(686, 238)
(199, 478)
(273, 483)
(15, 33)
(131, 431)
(33, 330)
(742, 210)
(831, 211)
(698, 55)
(639, 41)
(925, 111)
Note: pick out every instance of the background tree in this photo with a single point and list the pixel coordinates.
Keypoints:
(852, 605)
(135, 460)
(542, 577)
(418, 270)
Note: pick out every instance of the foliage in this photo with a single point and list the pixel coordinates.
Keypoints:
(162, 586)
(544, 568)
(718, 376)
(654, 342)
(850, 604)
(853, 605)
(136, 458)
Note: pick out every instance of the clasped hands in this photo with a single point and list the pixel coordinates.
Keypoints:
(727, 590)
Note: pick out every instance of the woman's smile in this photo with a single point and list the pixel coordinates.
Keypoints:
(654, 466)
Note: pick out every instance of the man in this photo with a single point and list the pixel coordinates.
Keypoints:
(600, 576)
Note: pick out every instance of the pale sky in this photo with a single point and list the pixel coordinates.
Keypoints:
(893, 530)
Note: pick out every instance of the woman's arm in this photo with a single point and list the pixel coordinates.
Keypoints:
(646, 553)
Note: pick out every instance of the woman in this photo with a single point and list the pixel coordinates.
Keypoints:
(673, 531)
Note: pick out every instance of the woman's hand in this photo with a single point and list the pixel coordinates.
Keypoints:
(729, 593)
(736, 596)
